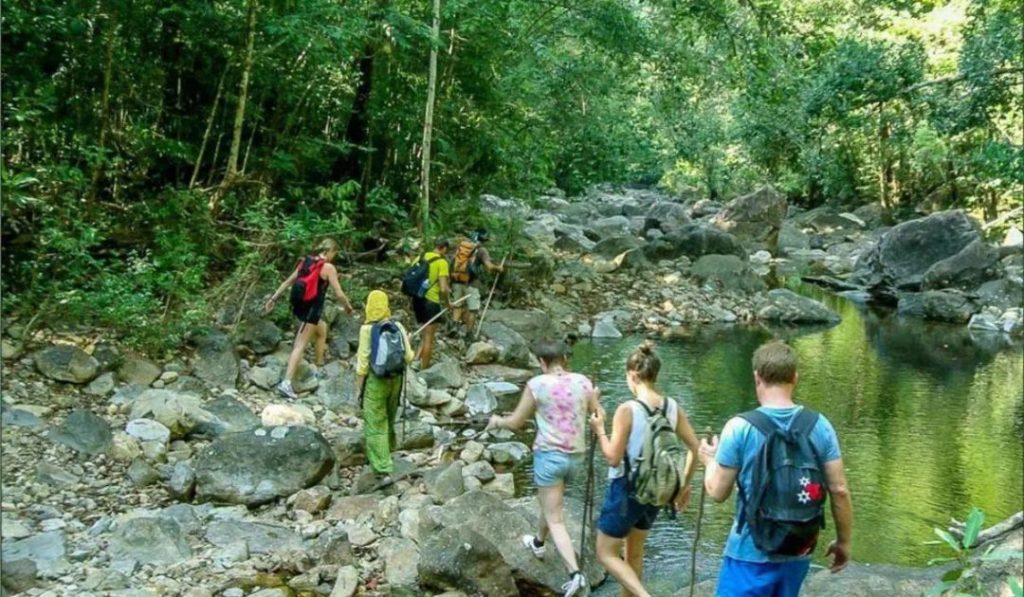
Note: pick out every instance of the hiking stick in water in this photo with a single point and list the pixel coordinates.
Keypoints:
(480, 323)
(436, 317)
(588, 497)
(696, 534)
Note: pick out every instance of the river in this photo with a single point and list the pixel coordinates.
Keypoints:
(930, 422)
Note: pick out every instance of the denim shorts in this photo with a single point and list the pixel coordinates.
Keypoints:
(621, 513)
(551, 468)
(753, 579)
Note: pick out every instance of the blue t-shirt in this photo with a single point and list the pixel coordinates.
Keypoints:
(738, 448)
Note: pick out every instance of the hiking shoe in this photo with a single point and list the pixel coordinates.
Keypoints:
(286, 390)
(531, 543)
(575, 585)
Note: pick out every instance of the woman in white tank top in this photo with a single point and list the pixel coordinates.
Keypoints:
(624, 522)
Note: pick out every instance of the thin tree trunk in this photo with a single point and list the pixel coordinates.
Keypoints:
(209, 129)
(108, 76)
(884, 171)
(248, 148)
(428, 122)
(213, 162)
(243, 93)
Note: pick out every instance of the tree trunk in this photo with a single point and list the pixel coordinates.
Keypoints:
(209, 129)
(428, 123)
(108, 76)
(243, 93)
(357, 131)
(884, 167)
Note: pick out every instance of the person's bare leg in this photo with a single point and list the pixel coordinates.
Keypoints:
(301, 340)
(635, 555)
(542, 522)
(321, 343)
(458, 315)
(609, 553)
(470, 320)
(427, 348)
(551, 506)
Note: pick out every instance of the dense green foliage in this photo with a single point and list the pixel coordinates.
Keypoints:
(154, 148)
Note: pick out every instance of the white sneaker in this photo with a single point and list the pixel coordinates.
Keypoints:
(574, 586)
(528, 541)
(285, 389)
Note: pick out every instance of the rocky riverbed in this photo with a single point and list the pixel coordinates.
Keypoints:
(125, 475)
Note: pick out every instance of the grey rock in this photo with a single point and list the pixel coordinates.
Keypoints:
(480, 469)
(605, 328)
(938, 305)
(312, 500)
(668, 216)
(726, 272)
(332, 548)
(482, 353)
(966, 270)
(255, 467)
(261, 335)
(148, 430)
(182, 484)
(349, 447)
(346, 583)
(179, 412)
(149, 540)
(261, 538)
(414, 435)
(479, 400)
(513, 349)
(18, 576)
(137, 370)
(17, 417)
(508, 452)
(445, 483)
(338, 391)
(445, 374)
(616, 245)
(503, 485)
(229, 416)
(610, 226)
(401, 560)
(142, 474)
(786, 306)
(84, 432)
(101, 386)
(505, 394)
(67, 363)
(694, 241)
(52, 474)
(264, 377)
(46, 550)
(463, 559)
(216, 362)
(1004, 293)
(755, 219)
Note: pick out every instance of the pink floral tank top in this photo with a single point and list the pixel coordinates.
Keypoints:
(561, 411)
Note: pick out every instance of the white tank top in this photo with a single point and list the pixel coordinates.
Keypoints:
(635, 443)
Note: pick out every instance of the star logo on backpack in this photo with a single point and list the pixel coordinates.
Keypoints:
(804, 497)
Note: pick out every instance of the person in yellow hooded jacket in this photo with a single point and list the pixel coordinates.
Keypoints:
(378, 396)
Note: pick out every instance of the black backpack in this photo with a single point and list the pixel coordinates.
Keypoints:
(785, 508)
(416, 279)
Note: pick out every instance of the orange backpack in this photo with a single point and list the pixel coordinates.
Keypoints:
(463, 266)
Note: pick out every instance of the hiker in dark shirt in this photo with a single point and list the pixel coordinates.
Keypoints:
(310, 313)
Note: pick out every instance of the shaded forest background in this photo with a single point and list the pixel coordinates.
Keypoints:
(158, 156)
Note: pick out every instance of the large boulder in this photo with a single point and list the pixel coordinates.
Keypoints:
(755, 219)
(513, 349)
(610, 226)
(726, 272)
(136, 370)
(84, 432)
(693, 241)
(46, 550)
(63, 362)
(215, 361)
(149, 540)
(229, 416)
(255, 467)
(938, 305)
(463, 559)
(261, 335)
(667, 216)
(261, 538)
(180, 412)
(785, 306)
(906, 252)
(975, 264)
(445, 374)
(531, 324)
(616, 245)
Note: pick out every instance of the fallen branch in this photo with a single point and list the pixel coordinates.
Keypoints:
(956, 528)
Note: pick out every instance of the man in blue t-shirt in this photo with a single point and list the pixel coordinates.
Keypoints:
(747, 571)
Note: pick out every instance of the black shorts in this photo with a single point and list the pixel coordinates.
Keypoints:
(311, 312)
(425, 310)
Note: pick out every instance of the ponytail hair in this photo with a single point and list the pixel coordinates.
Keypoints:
(644, 363)
(327, 245)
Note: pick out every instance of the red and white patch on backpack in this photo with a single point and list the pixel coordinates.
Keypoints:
(812, 492)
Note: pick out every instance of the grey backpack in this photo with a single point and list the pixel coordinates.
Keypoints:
(659, 473)
(387, 349)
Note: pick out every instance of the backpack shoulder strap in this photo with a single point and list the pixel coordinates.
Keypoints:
(760, 421)
(650, 413)
(804, 422)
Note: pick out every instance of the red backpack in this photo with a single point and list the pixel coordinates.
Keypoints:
(306, 285)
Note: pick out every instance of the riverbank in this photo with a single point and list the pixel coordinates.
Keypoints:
(188, 475)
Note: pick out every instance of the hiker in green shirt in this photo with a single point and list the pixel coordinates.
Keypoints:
(429, 306)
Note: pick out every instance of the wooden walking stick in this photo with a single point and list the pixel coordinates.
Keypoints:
(696, 534)
(588, 498)
(436, 317)
(483, 314)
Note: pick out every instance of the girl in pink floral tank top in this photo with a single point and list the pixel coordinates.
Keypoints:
(561, 414)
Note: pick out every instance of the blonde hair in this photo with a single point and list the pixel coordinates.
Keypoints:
(775, 363)
(327, 245)
(644, 363)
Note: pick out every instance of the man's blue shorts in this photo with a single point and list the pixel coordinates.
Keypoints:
(761, 579)
(621, 513)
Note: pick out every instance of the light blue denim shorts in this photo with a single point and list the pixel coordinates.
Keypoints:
(551, 468)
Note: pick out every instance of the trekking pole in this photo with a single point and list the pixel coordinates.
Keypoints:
(436, 317)
(588, 498)
(403, 401)
(494, 285)
(696, 534)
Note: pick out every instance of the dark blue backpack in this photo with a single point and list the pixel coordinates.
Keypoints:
(387, 349)
(416, 279)
(785, 506)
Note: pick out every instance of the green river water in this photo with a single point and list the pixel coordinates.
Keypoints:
(930, 423)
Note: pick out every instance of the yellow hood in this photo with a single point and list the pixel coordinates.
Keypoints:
(377, 307)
